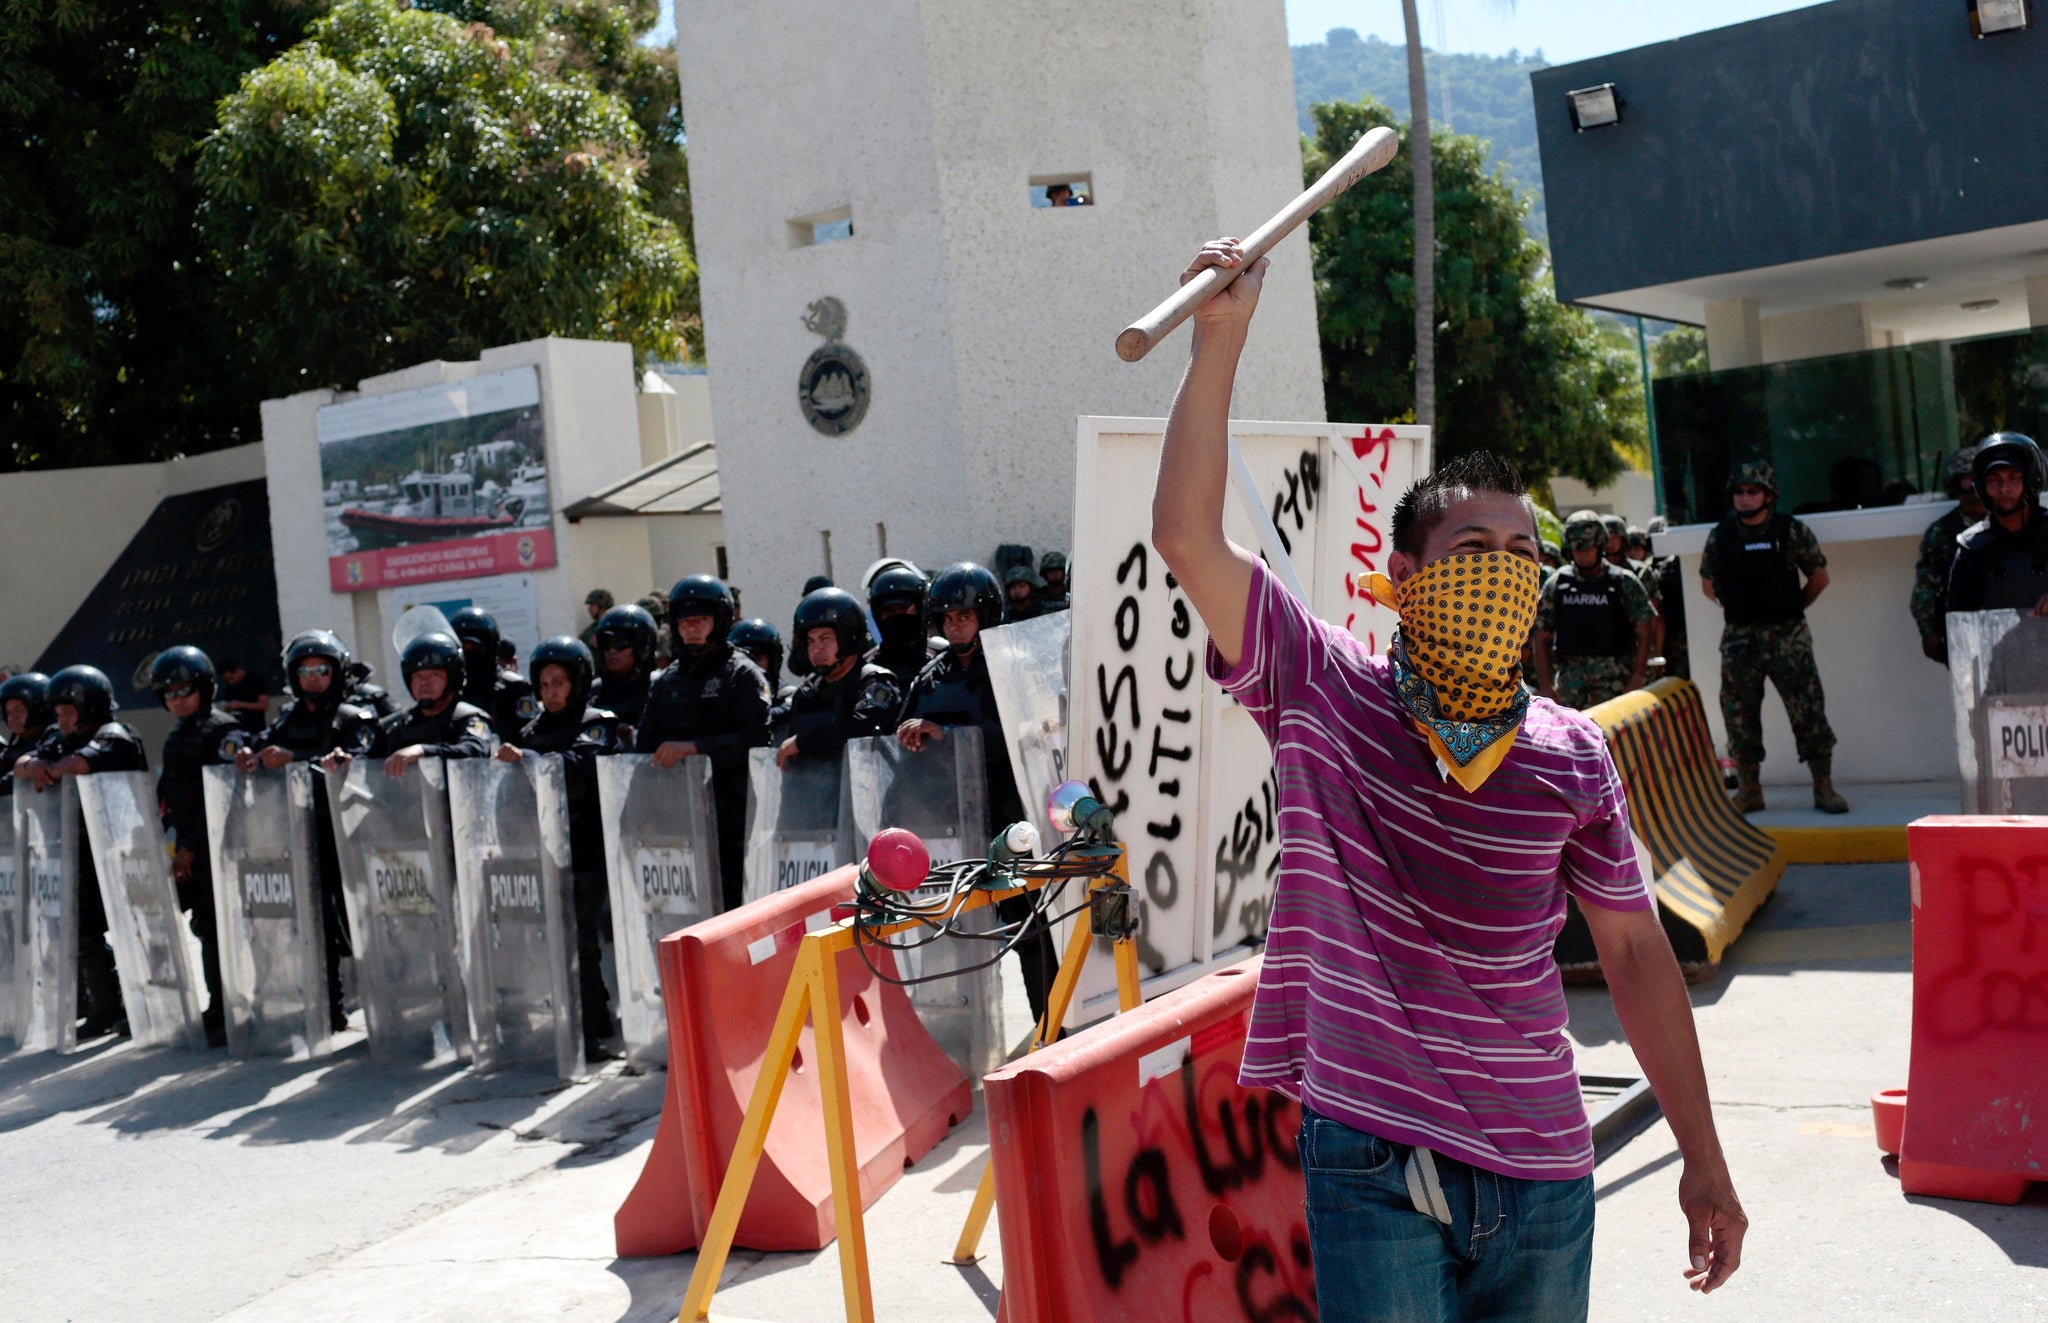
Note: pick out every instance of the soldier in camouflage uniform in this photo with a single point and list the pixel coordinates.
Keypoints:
(1670, 603)
(1752, 567)
(1938, 552)
(1592, 621)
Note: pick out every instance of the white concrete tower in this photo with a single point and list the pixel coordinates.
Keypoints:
(985, 325)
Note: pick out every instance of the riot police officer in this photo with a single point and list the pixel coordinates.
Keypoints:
(845, 697)
(1753, 566)
(25, 705)
(627, 640)
(503, 696)
(184, 682)
(763, 645)
(712, 700)
(438, 724)
(1592, 638)
(86, 739)
(1929, 599)
(954, 690)
(570, 725)
(896, 597)
(321, 713)
(2002, 559)
(1052, 573)
(360, 689)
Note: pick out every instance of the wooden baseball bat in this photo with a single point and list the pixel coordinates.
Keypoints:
(1369, 153)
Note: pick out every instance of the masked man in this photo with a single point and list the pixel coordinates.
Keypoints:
(1433, 817)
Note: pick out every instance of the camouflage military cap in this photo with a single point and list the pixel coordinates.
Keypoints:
(1584, 529)
(1636, 536)
(599, 597)
(1020, 574)
(1754, 472)
(1552, 550)
(1958, 468)
(1615, 525)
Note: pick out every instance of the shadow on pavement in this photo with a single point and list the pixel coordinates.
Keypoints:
(35, 1087)
(2019, 1230)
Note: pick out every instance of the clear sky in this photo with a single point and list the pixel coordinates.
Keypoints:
(1565, 30)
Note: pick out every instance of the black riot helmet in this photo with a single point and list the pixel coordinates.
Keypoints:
(701, 595)
(965, 587)
(317, 645)
(87, 689)
(757, 638)
(566, 651)
(632, 627)
(815, 582)
(32, 688)
(478, 631)
(837, 610)
(433, 652)
(183, 665)
(2009, 448)
(898, 583)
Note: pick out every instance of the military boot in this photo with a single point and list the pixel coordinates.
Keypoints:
(1749, 792)
(1824, 797)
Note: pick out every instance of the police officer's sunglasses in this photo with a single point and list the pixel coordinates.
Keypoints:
(182, 691)
(315, 668)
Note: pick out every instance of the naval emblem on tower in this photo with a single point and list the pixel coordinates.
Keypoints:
(832, 389)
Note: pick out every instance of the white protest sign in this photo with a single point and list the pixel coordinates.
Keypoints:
(1185, 769)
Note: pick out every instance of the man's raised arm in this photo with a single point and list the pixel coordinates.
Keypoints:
(1194, 462)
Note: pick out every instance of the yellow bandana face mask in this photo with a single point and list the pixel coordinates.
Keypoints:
(1463, 622)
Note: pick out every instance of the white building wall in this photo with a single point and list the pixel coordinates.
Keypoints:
(89, 515)
(986, 326)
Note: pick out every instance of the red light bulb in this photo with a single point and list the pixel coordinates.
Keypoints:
(898, 859)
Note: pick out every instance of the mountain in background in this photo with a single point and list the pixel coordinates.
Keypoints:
(1486, 96)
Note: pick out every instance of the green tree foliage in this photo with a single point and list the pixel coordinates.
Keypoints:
(1487, 96)
(110, 332)
(1679, 352)
(1517, 372)
(407, 185)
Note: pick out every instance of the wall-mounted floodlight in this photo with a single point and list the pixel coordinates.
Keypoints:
(1992, 16)
(1594, 107)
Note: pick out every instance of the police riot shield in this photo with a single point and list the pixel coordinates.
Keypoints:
(157, 962)
(398, 878)
(796, 829)
(14, 944)
(941, 793)
(266, 899)
(45, 832)
(1027, 669)
(516, 915)
(1998, 666)
(661, 847)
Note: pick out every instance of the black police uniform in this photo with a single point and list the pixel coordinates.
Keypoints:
(717, 700)
(824, 714)
(457, 731)
(310, 728)
(112, 747)
(1994, 569)
(581, 739)
(13, 752)
(903, 656)
(952, 692)
(624, 696)
(207, 738)
(372, 698)
(504, 697)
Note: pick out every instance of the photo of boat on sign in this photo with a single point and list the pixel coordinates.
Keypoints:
(443, 482)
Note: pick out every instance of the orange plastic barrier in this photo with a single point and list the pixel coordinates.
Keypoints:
(722, 981)
(1136, 1180)
(1977, 1091)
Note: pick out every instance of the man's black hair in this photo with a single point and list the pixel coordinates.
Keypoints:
(1422, 506)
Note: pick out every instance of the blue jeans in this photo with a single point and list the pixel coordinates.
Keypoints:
(1515, 1249)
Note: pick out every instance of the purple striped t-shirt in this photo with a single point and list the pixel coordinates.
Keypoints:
(1408, 988)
